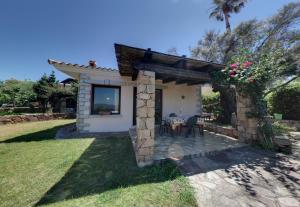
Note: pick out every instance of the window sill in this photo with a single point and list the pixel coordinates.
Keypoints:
(106, 116)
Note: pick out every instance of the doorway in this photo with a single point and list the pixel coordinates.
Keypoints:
(158, 105)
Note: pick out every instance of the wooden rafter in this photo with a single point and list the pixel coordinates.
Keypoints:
(171, 72)
(168, 80)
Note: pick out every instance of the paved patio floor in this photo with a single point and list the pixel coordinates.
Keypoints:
(244, 176)
(179, 147)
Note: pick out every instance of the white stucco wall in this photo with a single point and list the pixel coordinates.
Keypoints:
(174, 103)
(112, 123)
(172, 98)
(115, 123)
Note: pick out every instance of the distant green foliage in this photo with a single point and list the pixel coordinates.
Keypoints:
(4, 113)
(49, 91)
(286, 101)
(16, 92)
(211, 98)
(211, 103)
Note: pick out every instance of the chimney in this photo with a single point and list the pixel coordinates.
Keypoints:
(92, 63)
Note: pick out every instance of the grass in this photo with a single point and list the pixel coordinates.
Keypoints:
(37, 170)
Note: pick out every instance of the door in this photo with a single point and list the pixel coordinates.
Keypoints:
(158, 106)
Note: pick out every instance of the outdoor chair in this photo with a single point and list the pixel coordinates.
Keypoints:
(192, 125)
(164, 127)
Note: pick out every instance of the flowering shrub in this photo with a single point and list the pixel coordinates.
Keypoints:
(251, 74)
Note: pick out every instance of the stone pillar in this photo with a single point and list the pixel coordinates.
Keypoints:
(247, 127)
(145, 121)
(84, 99)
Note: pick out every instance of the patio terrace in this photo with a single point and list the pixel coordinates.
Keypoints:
(181, 147)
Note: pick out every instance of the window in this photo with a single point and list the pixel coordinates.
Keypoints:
(106, 100)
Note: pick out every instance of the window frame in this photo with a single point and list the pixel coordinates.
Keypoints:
(93, 97)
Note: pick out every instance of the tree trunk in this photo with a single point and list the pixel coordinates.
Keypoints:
(228, 28)
(227, 101)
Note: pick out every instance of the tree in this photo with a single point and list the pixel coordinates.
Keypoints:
(172, 51)
(223, 8)
(43, 91)
(16, 92)
(49, 91)
(260, 38)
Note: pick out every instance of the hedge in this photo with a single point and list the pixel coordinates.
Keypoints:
(286, 101)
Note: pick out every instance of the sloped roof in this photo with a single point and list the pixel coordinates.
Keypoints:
(127, 56)
(55, 62)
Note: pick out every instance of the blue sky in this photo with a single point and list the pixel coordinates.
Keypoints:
(76, 31)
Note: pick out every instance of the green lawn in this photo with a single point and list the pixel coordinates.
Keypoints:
(36, 170)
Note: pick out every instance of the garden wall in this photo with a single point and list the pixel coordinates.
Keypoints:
(13, 119)
(291, 123)
(228, 131)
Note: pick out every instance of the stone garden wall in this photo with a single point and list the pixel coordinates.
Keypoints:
(228, 131)
(291, 123)
(145, 121)
(14, 119)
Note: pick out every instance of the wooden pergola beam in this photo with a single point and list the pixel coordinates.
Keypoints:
(195, 83)
(168, 80)
(171, 72)
(178, 82)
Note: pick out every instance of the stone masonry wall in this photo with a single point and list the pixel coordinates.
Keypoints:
(228, 131)
(84, 99)
(14, 119)
(144, 146)
(247, 127)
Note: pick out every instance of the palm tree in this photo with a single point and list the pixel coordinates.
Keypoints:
(223, 8)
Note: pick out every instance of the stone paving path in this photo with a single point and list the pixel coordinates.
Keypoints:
(244, 176)
(295, 139)
(184, 147)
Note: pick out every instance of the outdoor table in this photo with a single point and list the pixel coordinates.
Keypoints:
(176, 123)
(206, 116)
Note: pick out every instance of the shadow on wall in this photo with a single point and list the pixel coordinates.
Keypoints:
(108, 163)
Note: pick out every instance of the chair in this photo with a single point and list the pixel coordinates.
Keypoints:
(194, 123)
(164, 127)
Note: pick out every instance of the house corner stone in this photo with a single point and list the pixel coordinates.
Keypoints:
(84, 97)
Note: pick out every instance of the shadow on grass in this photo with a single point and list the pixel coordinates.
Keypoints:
(35, 136)
(108, 163)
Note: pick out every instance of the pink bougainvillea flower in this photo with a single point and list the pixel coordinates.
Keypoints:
(235, 65)
(232, 75)
(231, 72)
(247, 64)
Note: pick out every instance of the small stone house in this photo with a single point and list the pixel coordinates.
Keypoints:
(147, 87)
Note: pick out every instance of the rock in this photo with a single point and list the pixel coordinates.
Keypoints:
(283, 143)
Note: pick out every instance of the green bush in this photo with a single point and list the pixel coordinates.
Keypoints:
(286, 101)
(280, 129)
(20, 110)
(211, 103)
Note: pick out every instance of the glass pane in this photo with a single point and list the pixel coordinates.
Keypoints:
(106, 101)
